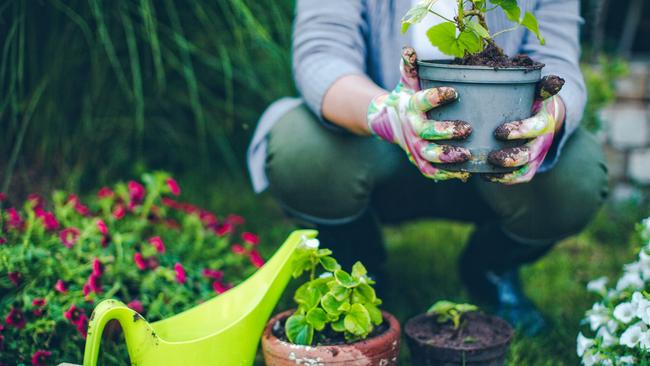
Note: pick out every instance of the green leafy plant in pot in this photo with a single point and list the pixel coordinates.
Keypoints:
(337, 319)
(493, 88)
(457, 334)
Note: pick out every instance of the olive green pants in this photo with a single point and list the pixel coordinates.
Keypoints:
(326, 177)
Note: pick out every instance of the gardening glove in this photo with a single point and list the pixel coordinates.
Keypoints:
(548, 110)
(400, 117)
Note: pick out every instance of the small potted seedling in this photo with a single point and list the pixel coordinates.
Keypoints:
(337, 319)
(493, 88)
(457, 334)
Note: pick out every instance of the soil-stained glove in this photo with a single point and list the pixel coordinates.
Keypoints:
(400, 118)
(548, 109)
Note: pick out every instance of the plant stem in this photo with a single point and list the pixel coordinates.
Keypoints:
(505, 31)
(441, 16)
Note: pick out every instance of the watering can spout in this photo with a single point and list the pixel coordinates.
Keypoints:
(224, 330)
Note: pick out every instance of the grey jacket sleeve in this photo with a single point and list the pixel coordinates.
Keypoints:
(328, 43)
(559, 23)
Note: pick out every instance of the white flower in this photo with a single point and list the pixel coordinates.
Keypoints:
(644, 341)
(625, 312)
(310, 243)
(632, 335)
(583, 344)
(626, 360)
(597, 285)
(607, 338)
(597, 316)
(326, 275)
(630, 280)
(591, 358)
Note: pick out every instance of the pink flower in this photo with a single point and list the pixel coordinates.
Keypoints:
(119, 211)
(208, 218)
(49, 220)
(212, 273)
(250, 238)
(15, 277)
(157, 243)
(233, 219)
(78, 206)
(105, 240)
(97, 267)
(93, 284)
(223, 229)
(136, 193)
(61, 287)
(238, 249)
(16, 318)
(40, 357)
(139, 261)
(35, 200)
(14, 220)
(104, 192)
(173, 187)
(180, 273)
(101, 226)
(74, 314)
(171, 223)
(255, 258)
(69, 236)
(2, 240)
(2, 196)
(220, 287)
(152, 263)
(39, 302)
(82, 326)
(136, 305)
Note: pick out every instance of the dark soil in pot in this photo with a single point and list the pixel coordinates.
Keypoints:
(492, 89)
(381, 348)
(483, 340)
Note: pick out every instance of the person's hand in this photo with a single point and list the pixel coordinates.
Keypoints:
(548, 112)
(400, 117)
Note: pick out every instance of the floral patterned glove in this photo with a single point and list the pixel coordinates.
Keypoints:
(400, 118)
(548, 111)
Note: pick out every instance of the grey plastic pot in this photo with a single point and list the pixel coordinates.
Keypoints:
(487, 98)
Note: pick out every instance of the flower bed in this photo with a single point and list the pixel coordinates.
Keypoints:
(135, 242)
(620, 321)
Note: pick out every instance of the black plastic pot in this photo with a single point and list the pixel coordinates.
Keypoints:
(426, 350)
(487, 98)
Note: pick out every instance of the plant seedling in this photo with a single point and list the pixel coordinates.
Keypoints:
(468, 33)
(446, 311)
(335, 301)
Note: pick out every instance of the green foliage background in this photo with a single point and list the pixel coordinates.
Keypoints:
(125, 84)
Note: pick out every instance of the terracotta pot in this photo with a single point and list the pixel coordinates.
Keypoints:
(426, 352)
(381, 350)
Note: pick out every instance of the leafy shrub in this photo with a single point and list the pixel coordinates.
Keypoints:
(619, 322)
(336, 301)
(600, 80)
(134, 242)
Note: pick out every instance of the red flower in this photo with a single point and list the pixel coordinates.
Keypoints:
(238, 249)
(180, 273)
(173, 187)
(136, 305)
(61, 287)
(170, 223)
(105, 240)
(35, 200)
(2, 240)
(212, 273)
(78, 206)
(74, 314)
(39, 358)
(15, 277)
(2, 196)
(139, 261)
(16, 318)
(220, 287)
(39, 302)
(82, 326)
(223, 229)
(101, 226)
(255, 258)
(104, 192)
(49, 220)
(119, 211)
(157, 243)
(152, 262)
(250, 238)
(69, 236)
(14, 220)
(95, 284)
(233, 219)
(208, 218)
(136, 193)
(97, 267)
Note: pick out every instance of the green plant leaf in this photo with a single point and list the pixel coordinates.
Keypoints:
(330, 264)
(307, 296)
(358, 271)
(441, 307)
(302, 261)
(530, 22)
(364, 293)
(357, 321)
(331, 305)
(478, 29)
(443, 36)
(323, 252)
(344, 279)
(375, 314)
(339, 292)
(416, 14)
(298, 330)
(338, 326)
(317, 318)
(510, 8)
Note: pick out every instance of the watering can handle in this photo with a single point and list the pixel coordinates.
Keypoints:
(104, 312)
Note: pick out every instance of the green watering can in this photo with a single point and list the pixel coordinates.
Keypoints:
(223, 331)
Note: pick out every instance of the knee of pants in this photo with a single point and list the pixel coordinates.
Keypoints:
(561, 203)
(312, 171)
